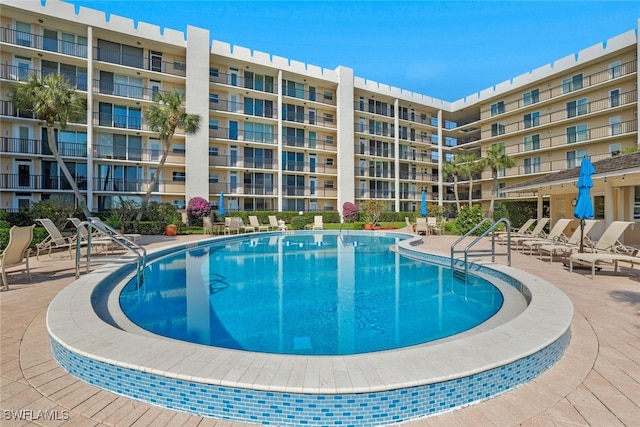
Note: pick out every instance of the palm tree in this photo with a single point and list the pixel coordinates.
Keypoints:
(164, 117)
(472, 165)
(455, 168)
(52, 100)
(496, 159)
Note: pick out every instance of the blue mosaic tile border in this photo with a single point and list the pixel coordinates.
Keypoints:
(290, 409)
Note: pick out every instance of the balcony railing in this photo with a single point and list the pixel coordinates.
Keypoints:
(239, 108)
(175, 68)
(124, 185)
(21, 38)
(310, 96)
(307, 191)
(20, 74)
(365, 150)
(120, 121)
(7, 108)
(25, 182)
(617, 129)
(242, 135)
(609, 102)
(373, 173)
(309, 119)
(243, 162)
(314, 143)
(556, 91)
(126, 91)
(239, 81)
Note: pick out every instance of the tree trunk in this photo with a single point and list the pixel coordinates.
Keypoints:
(145, 199)
(470, 191)
(51, 136)
(494, 190)
(455, 191)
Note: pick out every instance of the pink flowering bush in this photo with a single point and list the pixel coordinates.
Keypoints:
(197, 208)
(349, 211)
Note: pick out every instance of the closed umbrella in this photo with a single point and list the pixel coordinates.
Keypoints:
(584, 206)
(221, 210)
(423, 204)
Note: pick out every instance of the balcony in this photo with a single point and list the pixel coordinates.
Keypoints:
(309, 192)
(309, 119)
(38, 147)
(175, 68)
(125, 91)
(20, 74)
(242, 162)
(120, 121)
(124, 185)
(242, 135)
(560, 90)
(240, 108)
(246, 83)
(8, 109)
(603, 104)
(323, 98)
(376, 194)
(613, 130)
(367, 172)
(21, 38)
(313, 143)
(26, 183)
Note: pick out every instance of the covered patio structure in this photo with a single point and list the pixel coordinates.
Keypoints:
(615, 192)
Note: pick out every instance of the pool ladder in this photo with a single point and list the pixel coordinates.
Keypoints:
(463, 272)
(107, 232)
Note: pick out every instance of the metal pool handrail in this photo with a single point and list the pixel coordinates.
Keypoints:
(116, 237)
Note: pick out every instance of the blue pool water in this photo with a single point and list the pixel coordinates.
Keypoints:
(316, 294)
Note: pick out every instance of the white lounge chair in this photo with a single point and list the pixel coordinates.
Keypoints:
(55, 239)
(596, 259)
(98, 239)
(232, 224)
(17, 251)
(317, 223)
(572, 244)
(207, 225)
(127, 236)
(524, 230)
(275, 224)
(555, 234)
(422, 226)
(536, 233)
(253, 222)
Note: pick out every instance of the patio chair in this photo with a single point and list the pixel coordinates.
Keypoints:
(409, 225)
(317, 223)
(536, 233)
(432, 225)
(17, 251)
(421, 226)
(98, 239)
(524, 230)
(275, 224)
(232, 224)
(207, 225)
(596, 259)
(246, 228)
(55, 239)
(134, 237)
(602, 250)
(253, 222)
(555, 234)
(572, 243)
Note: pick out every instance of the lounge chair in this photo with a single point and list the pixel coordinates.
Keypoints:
(317, 223)
(17, 251)
(432, 225)
(128, 236)
(596, 259)
(410, 226)
(536, 233)
(207, 225)
(275, 224)
(98, 239)
(524, 230)
(421, 226)
(570, 245)
(253, 222)
(232, 224)
(246, 228)
(55, 239)
(555, 234)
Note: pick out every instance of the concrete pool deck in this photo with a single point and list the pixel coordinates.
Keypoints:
(597, 382)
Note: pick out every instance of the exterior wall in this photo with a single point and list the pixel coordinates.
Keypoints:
(293, 136)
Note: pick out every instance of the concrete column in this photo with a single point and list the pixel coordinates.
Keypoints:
(279, 136)
(440, 161)
(91, 174)
(345, 136)
(197, 99)
(540, 203)
(396, 141)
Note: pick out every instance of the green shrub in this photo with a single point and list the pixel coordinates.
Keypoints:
(469, 217)
(299, 222)
(55, 209)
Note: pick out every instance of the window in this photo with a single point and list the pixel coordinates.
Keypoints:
(328, 162)
(122, 54)
(213, 124)
(575, 157)
(178, 149)
(572, 83)
(328, 96)
(497, 108)
(532, 119)
(213, 98)
(578, 108)
(294, 89)
(328, 118)
(258, 132)
(23, 34)
(179, 204)
(178, 177)
(615, 149)
(328, 183)
(213, 178)
(532, 142)
(532, 165)
(496, 129)
(577, 133)
(213, 151)
(179, 66)
(615, 69)
(530, 97)
(598, 207)
(615, 125)
(213, 72)
(614, 98)
(258, 82)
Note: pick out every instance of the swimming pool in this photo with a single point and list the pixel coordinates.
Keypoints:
(92, 339)
(305, 294)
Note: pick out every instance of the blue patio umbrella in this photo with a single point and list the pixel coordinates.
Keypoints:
(221, 210)
(584, 206)
(423, 204)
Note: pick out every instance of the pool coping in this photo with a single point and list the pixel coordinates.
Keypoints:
(73, 323)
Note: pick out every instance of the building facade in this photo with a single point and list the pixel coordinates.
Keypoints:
(277, 134)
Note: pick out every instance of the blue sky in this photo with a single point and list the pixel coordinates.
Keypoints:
(447, 50)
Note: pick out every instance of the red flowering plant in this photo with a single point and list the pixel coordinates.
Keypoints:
(197, 208)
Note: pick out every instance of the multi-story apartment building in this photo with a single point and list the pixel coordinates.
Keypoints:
(277, 134)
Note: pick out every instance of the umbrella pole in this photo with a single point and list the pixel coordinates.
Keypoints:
(581, 235)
